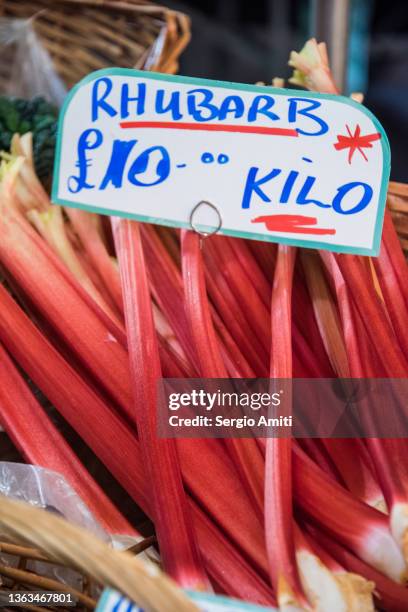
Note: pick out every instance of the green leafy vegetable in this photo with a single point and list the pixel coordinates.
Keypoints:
(38, 116)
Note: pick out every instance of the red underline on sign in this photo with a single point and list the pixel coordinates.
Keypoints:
(293, 224)
(211, 127)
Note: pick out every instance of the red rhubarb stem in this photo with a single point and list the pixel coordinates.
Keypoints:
(35, 435)
(216, 487)
(278, 459)
(169, 504)
(245, 452)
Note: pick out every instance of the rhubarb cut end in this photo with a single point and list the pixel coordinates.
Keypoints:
(380, 505)
(357, 96)
(311, 68)
(10, 167)
(278, 82)
(33, 194)
(385, 555)
(357, 592)
(287, 600)
(336, 592)
(405, 546)
(399, 529)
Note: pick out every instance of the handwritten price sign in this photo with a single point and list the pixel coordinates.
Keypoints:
(275, 164)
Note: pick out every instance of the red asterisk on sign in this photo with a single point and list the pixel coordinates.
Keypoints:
(356, 142)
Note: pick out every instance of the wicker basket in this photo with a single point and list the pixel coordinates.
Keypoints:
(39, 535)
(397, 202)
(86, 35)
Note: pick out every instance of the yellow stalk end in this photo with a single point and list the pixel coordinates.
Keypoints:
(287, 600)
(334, 591)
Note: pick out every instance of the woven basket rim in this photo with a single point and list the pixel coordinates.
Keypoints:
(75, 547)
(172, 25)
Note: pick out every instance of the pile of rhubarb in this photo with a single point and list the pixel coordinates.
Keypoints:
(94, 311)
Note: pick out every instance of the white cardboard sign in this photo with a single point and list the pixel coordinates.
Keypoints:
(275, 164)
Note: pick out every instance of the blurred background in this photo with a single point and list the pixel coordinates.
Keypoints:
(250, 41)
(45, 48)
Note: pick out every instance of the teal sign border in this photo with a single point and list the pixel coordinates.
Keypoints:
(202, 598)
(240, 87)
(197, 597)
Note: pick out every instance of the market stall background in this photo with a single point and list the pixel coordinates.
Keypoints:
(251, 41)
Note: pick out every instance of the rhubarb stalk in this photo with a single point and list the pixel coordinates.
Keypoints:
(35, 435)
(246, 453)
(169, 505)
(389, 456)
(278, 459)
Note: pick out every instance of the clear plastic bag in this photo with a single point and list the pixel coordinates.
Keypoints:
(49, 490)
(46, 489)
(155, 52)
(26, 68)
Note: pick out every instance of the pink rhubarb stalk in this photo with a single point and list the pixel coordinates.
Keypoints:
(245, 452)
(169, 503)
(389, 456)
(56, 295)
(117, 447)
(88, 226)
(35, 435)
(361, 528)
(278, 458)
